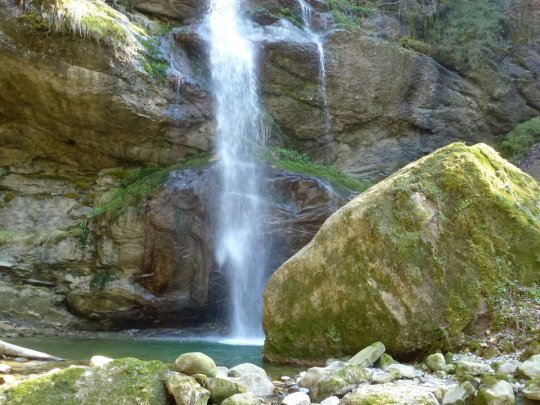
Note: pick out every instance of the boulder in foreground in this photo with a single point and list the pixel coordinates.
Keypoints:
(410, 262)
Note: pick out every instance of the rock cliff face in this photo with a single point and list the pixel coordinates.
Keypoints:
(74, 114)
(152, 265)
(410, 262)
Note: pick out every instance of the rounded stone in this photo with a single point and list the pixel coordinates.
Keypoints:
(195, 363)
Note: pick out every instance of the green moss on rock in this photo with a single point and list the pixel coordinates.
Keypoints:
(123, 381)
(409, 261)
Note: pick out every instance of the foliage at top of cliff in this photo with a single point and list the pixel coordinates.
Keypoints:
(462, 34)
(90, 19)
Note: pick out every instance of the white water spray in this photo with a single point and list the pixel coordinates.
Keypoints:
(240, 249)
(317, 40)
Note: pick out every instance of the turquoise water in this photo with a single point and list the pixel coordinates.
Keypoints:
(163, 349)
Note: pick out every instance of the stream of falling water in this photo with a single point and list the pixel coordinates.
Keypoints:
(317, 40)
(240, 249)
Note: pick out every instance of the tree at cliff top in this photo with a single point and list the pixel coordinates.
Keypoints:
(410, 262)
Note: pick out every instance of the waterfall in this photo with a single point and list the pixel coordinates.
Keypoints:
(317, 40)
(240, 248)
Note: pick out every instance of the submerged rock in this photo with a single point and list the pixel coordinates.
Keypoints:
(405, 262)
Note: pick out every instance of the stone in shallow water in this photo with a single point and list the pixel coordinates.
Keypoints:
(185, 390)
(297, 398)
(459, 395)
(369, 355)
(325, 382)
(531, 367)
(436, 362)
(195, 363)
(390, 394)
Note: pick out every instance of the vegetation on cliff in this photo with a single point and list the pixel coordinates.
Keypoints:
(410, 261)
(462, 34)
(519, 141)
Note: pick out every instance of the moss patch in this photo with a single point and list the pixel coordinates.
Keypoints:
(296, 162)
(519, 141)
(123, 381)
(410, 260)
(138, 185)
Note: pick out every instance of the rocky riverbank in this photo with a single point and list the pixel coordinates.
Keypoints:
(369, 377)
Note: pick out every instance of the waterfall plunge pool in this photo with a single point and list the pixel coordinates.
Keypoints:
(166, 349)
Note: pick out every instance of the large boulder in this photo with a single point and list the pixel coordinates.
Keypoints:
(410, 262)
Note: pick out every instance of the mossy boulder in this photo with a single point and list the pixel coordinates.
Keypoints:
(328, 381)
(186, 390)
(195, 363)
(122, 381)
(494, 392)
(410, 262)
(223, 388)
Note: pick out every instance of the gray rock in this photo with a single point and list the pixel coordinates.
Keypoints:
(495, 392)
(402, 370)
(297, 398)
(330, 401)
(507, 368)
(195, 363)
(436, 362)
(185, 390)
(369, 355)
(530, 368)
(390, 394)
(243, 399)
(246, 368)
(325, 382)
(459, 395)
(257, 384)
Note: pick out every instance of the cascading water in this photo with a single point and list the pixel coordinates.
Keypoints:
(240, 249)
(317, 40)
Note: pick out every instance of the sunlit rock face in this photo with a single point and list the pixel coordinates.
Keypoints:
(411, 262)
